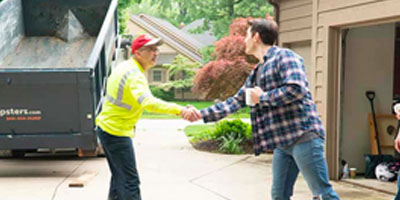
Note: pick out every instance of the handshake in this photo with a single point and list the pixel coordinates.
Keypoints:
(190, 113)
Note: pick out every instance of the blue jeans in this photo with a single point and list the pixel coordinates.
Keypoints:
(124, 184)
(307, 158)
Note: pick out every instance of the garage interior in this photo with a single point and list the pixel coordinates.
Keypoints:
(370, 61)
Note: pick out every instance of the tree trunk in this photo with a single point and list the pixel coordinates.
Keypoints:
(231, 7)
(182, 12)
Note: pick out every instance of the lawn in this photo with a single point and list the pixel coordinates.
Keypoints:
(243, 113)
(198, 132)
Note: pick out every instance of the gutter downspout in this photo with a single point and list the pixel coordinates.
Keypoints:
(276, 14)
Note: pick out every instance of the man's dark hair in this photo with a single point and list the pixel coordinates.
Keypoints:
(267, 29)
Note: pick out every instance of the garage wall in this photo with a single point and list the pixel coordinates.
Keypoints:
(369, 64)
(295, 21)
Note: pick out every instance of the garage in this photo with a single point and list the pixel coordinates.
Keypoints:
(368, 65)
(354, 48)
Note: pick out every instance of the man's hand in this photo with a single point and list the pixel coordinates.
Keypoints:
(190, 113)
(255, 95)
(398, 116)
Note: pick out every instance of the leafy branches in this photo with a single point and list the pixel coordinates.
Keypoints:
(217, 14)
(183, 70)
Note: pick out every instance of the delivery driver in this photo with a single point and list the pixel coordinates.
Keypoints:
(128, 94)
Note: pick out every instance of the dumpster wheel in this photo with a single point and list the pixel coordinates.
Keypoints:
(87, 153)
(98, 152)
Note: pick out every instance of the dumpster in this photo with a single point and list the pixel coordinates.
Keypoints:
(55, 56)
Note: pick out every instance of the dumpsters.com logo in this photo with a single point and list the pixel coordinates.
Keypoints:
(13, 114)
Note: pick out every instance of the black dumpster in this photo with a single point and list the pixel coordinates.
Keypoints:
(55, 56)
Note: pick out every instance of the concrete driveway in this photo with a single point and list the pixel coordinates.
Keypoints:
(170, 169)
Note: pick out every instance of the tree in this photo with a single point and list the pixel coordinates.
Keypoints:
(223, 77)
(153, 9)
(184, 71)
(123, 15)
(217, 14)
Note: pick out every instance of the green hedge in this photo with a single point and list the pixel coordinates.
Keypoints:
(162, 94)
(234, 128)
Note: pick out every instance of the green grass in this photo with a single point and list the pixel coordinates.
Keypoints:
(243, 113)
(200, 132)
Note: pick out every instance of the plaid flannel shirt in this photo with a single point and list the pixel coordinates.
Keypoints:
(286, 109)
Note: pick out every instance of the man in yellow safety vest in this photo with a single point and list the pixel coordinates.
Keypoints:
(128, 94)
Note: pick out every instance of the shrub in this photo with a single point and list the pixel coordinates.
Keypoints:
(162, 94)
(231, 135)
(235, 128)
(230, 144)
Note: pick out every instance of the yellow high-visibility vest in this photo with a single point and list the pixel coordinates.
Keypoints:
(128, 94)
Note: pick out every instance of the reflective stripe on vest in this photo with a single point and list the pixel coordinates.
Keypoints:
(120, 94)
(143, 97)
(118, 101)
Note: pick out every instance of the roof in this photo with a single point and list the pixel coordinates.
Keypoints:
(206, 38)
(165, 58)
(181, 41)
(193, 25)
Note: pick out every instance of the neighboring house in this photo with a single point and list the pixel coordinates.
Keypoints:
(206, 38)
(176, 42)
(349, 47)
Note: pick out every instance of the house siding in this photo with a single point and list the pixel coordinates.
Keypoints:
(295, 22)
(188, 95)
(342, 13)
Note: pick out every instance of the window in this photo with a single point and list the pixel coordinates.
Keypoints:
(157, 76)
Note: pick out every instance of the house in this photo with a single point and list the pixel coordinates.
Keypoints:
(349, 47)
(206, 38)
(176, 42)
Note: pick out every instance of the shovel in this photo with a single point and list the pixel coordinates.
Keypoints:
(371, 161)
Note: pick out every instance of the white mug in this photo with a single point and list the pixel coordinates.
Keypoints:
(397, 108)
(249, 102)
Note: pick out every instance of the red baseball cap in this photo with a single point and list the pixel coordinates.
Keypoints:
(145, 40)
